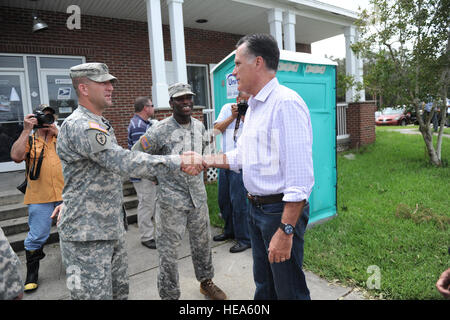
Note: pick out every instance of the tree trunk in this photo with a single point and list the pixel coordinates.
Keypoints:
(428, 139)
(444, 86)
(427, 134)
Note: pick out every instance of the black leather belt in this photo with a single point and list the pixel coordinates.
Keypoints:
(273, 198)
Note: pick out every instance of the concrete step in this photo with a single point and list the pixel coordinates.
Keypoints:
(13, 211)
(128, 189)
(14, 226)
(18, 210)
(11, 197)
(130, 202)
(14, 215)
(16, 240)
(14, 196)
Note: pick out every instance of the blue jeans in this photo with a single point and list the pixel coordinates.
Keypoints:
(40, 224)
(233, 205)
(277, 281)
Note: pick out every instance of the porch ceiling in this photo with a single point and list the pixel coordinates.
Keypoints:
(314, 20)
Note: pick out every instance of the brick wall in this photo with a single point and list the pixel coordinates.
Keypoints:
(122, 44)
(361, 123)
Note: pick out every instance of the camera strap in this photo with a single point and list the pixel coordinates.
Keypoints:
(35, 171)
(27, 156)
(236, 128)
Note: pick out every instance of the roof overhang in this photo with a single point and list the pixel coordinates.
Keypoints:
(315, 20)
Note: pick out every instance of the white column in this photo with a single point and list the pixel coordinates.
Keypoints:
(350, 60)
(289, 31)
(359, 72)
(160, 96)
(177, 39)
(362, 92)
(275, 19)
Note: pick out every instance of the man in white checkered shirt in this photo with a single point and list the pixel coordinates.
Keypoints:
(275, 153)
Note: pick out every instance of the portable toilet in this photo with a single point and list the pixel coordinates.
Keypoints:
(314, 79)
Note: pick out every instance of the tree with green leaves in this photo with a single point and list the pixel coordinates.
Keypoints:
(344, 81)
(407, 44)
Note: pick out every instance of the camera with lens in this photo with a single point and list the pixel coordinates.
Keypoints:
(242, 108)
(43, 119)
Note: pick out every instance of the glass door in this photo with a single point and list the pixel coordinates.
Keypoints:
(13, 108)
(198, 79)
(58, 92)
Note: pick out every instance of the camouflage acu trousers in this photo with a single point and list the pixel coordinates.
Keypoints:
(171, 224)
(96, 270)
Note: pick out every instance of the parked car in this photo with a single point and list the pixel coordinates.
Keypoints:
(448, 112)
(393, 116)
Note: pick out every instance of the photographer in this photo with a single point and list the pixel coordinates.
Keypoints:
(232, 193)
(37, 146)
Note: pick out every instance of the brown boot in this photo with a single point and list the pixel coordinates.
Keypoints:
(209, 289)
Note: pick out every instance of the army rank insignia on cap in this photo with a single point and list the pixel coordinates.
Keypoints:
(144, 143)
(101, 138)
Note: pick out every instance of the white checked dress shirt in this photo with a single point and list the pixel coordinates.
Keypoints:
(275, 147)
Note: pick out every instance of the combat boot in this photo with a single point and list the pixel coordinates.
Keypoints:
(33, 257)
(210, 290)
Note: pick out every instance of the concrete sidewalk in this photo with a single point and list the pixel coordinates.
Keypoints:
(415, 131)
(233, 273)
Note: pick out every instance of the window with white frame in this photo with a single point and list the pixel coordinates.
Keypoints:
(197, 75)
(25, 82)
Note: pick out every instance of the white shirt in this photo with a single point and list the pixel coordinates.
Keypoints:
(228, 143)
(275, 148)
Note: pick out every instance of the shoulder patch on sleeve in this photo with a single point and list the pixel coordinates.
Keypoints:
(99, 140)
(144, 142)
(96, 126)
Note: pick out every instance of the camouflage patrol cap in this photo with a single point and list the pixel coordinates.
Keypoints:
(94, 71)
(179, 89)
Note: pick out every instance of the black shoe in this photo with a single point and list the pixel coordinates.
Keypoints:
(239, 247)
(33, 257)
(151, 244)
(222, 237)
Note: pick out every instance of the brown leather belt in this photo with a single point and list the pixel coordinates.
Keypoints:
(273, 198)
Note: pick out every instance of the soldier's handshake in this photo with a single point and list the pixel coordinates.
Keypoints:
(192, 163)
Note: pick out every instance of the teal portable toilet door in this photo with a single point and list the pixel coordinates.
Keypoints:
(314, 79)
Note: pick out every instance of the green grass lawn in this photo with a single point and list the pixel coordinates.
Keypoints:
(393, 213)
(216, 221)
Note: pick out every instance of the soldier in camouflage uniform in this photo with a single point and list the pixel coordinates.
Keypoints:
(11, 283)
(91, 225)
(181, 200)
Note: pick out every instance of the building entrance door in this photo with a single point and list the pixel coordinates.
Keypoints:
(13, 107)
(58, 92)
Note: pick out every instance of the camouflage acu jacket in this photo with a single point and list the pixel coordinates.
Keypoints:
(11, 283)
(93, 164)
(168, 137)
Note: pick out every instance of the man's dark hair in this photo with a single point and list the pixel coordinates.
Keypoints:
(140, 103)
(263, 45)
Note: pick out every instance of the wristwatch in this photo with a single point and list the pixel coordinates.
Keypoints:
(287, 228)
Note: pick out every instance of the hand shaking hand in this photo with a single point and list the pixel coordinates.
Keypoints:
(192, 163)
